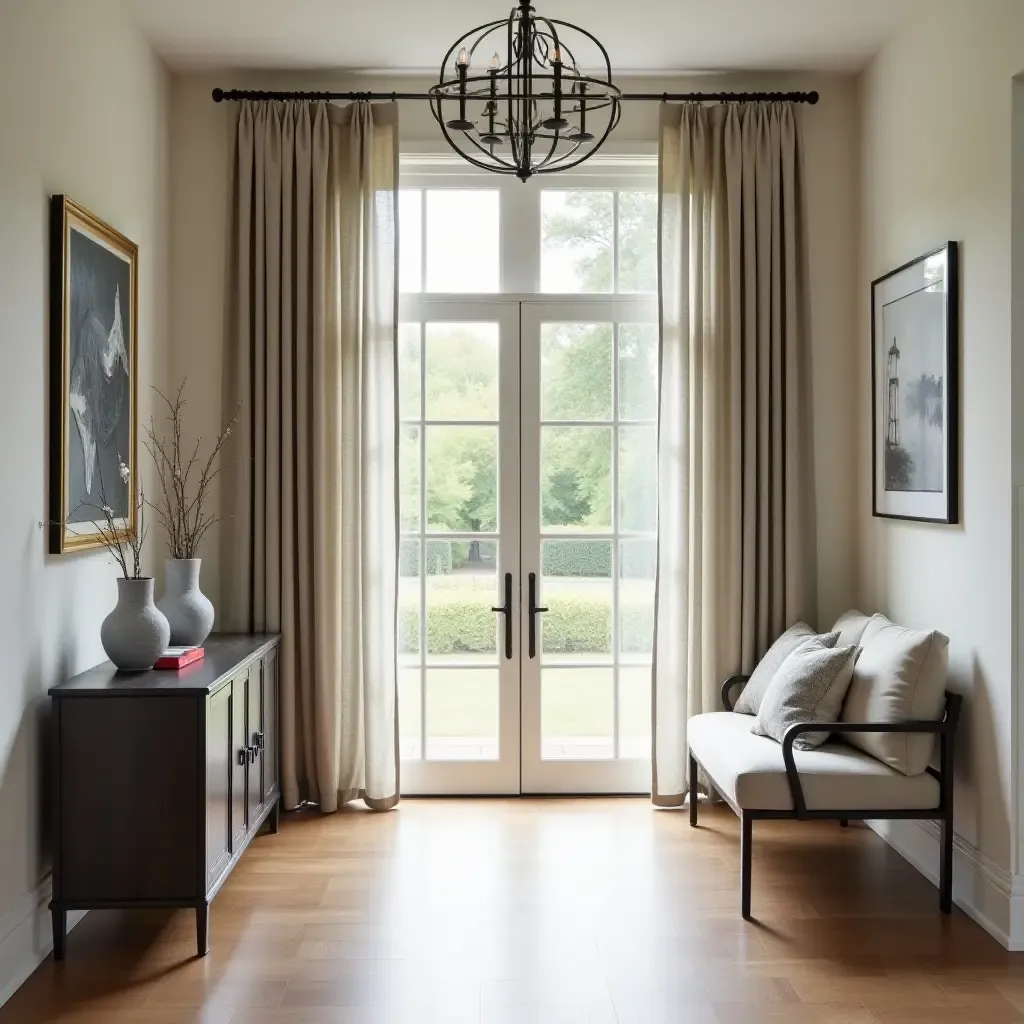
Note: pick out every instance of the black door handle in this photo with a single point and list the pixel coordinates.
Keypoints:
(535, 609)
(506, 610)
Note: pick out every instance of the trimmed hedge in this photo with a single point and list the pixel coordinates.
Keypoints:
(577, 558)
(574, 624)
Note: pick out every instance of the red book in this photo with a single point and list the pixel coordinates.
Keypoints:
(179, 657)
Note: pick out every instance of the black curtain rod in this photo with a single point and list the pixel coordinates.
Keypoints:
(220, 95)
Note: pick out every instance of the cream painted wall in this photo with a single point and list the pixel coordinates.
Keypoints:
(936, 165)
(85, 111)
(201, 153)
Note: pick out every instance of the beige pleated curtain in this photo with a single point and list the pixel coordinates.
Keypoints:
(736, 544)
(311, 548)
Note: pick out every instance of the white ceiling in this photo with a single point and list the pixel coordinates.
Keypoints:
(412, 35)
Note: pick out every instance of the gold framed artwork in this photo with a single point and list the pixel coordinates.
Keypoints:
(93, 377)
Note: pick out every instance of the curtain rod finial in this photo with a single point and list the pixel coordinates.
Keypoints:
(218, 95)
(813, 97)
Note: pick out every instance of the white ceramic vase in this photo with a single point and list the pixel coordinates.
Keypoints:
(135, 633)
(187, 608)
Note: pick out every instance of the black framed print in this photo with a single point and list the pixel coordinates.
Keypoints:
(93, 382)
(915, 326)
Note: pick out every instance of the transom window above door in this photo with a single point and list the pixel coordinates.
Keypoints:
(588, 234)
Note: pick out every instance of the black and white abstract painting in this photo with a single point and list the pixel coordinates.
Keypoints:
(93, 359)
(914, 359)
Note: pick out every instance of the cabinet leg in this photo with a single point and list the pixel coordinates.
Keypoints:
(202, 929)
(60, 932)
(275, 817)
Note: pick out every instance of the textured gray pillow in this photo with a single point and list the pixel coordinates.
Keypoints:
(809, 687)
(749, 702)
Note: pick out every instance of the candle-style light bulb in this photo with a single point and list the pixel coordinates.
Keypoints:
(462, 123)
(495, 63)
(556, 123)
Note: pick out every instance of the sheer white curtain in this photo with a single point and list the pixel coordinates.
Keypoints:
(311, 548)
(736, 544)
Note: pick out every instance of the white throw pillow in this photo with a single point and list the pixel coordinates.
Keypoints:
(809, 687)
(749, 702)
(850, 626)
(900, 675)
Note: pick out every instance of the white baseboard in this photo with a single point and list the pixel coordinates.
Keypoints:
(986, 892)
(26, 939)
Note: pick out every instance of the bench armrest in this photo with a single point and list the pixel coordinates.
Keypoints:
(727, 687)
(944, 728)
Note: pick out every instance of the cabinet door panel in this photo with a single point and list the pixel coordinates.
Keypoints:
(219, 750)
(254, 704)
(239, 763)
(270, 727)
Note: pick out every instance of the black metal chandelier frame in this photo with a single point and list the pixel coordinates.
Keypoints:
(535, 98)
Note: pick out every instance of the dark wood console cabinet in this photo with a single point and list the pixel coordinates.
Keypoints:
(161, 779)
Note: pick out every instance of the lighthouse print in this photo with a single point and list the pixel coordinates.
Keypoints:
(914, 390)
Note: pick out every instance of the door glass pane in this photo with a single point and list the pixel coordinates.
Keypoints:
(410, 714)
(576, 371)
(463, 240)
(577, 239)
(635, 711)
(638, 478)
(409, 602)
(638, 242)
(462, 371)
(576, 588)
(462, 714)
(462, 479)
(577, 713)
(462, 587)
(637, 570)
(409, 477)
(638, 371)
(410, 240)
(576, 477)
(409, 371)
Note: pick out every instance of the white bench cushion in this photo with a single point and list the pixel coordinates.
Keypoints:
(749, 771)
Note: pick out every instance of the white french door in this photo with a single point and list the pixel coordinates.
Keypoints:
(588, 543)
(525, 635)
(459, 688)
(528, 398)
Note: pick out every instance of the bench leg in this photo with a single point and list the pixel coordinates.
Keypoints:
(746, 841)
(946, 867)
(843, 823)
(693, 792)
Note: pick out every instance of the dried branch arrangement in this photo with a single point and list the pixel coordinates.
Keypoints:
(125, 546)
(185, 478)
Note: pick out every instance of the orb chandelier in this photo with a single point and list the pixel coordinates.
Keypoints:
(528, 109)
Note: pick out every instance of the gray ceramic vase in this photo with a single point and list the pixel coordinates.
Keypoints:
(135, 633)
(187, 608)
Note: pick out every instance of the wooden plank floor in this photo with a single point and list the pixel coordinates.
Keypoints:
(547, 912)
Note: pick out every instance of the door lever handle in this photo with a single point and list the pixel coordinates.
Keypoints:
(535, 610)
(506, 610)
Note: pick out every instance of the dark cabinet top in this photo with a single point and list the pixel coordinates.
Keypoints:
(225, 654)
